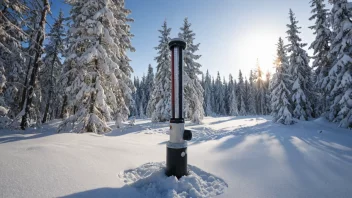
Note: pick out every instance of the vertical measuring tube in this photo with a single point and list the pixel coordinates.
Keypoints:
(176, 154)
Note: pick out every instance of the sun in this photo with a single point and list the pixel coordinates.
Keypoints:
(253, 46)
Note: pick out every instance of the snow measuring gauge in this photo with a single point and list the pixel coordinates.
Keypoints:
(176, 154)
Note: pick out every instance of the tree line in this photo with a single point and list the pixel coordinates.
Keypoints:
(77, 69)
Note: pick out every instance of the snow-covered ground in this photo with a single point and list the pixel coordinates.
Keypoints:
(229, 157)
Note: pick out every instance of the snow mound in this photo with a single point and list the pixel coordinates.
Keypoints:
(150, 180)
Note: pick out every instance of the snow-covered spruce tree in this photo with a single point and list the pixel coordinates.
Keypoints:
(240, 94)
(134, 106)
(3, 107)
(32, 29)
(321, 47)
(193, 89)
(260, 91)
(226, 96)
(101, 88)
(246, 95)
(301, 72)
(219, 96)
(142, 95)
(267, 105)
(252, 92)
(159, 106)
(280, 83)
(52, 68)
(12, 55)
(123, 40)
(37, 61)
(208, 95)
(149, 88)
(213, 96)
(233, 106)
(340, 74)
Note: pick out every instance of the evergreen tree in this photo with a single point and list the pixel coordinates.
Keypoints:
(340, 75)
(260, 94)
(208, 95)
(252, 93)
(192, 86)
(149, 89)
(267, 106)
(159, 105)
(123, 40)
(246, 95)
(321, 47)
(102, 87)
(29, 109)
(134, 107)
(52, 68)
(219, 96)
(233, 106)
(280, 83)
(213, 96)
(301, 72)
(142, 97)
(226, 96)
(321, 44)
(12, 54)
(240, 94)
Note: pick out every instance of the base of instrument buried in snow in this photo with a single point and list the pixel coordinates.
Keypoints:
(151, 182)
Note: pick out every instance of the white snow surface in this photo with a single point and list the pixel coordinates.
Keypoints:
(247, 156)
(150, 180)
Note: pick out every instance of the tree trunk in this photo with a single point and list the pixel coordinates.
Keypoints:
(64, 104)
(48, 102)
(33, 76)
(24, 92)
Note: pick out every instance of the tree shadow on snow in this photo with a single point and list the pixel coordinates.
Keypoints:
(236, 118)
(313, 151)
(147, 127)
(7, 136)
(124, 191)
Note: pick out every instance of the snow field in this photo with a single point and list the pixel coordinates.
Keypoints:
(251, 155)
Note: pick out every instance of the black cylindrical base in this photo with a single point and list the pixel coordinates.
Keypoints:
(176, 162)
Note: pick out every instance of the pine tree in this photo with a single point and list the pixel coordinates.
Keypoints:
(280, 84)
(226, 95)
(246, 95)
(267, 104)
(321, 47)
(159, 105)
(240, 94)
(208, 95)
(123, 39)
(219, 91)
(252, 93)
(301, 72)
(37, 61)
(192, 87)
(340, 84)
(233, 106)
(52, 68)
(12, 54)
(142, 97)
(32, 29)
(134, 106)
(102, 87)
(149, 88)
(260, 91)
(213, 96)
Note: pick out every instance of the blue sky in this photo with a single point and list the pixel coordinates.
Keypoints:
(232, 33)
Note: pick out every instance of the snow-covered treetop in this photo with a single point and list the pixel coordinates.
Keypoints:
(293, 32)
